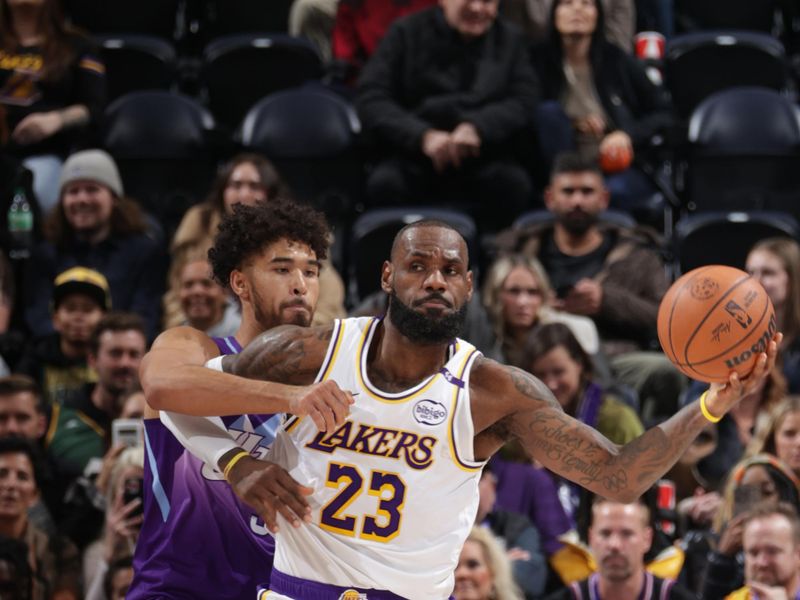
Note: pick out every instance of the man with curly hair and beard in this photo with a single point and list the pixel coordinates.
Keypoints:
(197, 536)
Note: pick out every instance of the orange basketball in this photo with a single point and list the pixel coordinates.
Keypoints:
(715, 320)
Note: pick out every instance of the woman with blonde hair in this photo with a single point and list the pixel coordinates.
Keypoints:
(775, 263)
(517, 296)
(779, 434)
(484, 570)
(121, 482)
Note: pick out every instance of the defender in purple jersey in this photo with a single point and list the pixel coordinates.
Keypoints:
(198, 538)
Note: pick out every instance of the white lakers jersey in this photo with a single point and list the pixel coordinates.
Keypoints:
(395, 487)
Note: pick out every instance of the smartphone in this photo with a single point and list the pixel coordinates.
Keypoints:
(133, 489)
(127, 432)
(745, 497)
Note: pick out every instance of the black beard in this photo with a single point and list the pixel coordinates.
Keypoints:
(577, 223)
(423, 329)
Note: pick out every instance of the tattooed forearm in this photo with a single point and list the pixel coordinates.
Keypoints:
(582, 455)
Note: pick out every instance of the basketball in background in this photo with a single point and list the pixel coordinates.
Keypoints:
(714, 320)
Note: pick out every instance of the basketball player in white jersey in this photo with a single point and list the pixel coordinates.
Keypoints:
(395, 486)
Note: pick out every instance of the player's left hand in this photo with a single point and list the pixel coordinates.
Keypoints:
(722, 397)
(269, 490)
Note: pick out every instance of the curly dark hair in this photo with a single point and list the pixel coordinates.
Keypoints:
(250, 229)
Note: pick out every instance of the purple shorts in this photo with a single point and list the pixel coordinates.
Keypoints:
(285, 586)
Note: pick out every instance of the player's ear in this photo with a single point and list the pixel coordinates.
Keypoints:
(386, 277)
(470, 285)
(238, 283)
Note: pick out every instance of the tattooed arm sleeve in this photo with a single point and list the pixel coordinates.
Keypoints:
(520, 406)
(286, 354)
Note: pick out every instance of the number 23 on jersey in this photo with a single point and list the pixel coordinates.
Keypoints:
(389, 491)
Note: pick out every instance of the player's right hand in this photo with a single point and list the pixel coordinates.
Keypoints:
(325, 402)
(722, 397)
(269, 490)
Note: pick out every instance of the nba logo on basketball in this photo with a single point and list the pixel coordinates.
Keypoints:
(352, 595)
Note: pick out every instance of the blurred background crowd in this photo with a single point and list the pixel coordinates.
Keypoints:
(589, 151)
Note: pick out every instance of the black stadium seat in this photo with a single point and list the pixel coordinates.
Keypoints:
(310, 135)
(240, 70)
(726, 14)
(161, 144)
(725, 238)
(697, 65)
(744, 152)
(136, 63)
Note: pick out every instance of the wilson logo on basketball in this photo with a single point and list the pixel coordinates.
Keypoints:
(760, 345)
(429, 412)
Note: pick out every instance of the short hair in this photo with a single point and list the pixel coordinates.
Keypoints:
(19, 384)
(19, 445)
(425, 223)
(766, 509)
(640, 502)
(572, 162)
(250, 229)
(116, 321)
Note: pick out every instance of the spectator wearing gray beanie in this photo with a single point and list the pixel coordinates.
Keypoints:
(94, 225)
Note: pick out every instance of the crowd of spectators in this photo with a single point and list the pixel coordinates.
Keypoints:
(489, 107)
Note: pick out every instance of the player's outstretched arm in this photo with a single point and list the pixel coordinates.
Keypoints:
(174, 378)
(579, 452)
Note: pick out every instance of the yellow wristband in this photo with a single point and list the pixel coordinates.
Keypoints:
(704, 409)
(232, 462)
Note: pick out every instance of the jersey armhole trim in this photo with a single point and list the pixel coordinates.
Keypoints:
(332, 352)
(459, 393)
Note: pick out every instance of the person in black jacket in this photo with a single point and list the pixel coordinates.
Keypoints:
(446, 94)
(596, 98)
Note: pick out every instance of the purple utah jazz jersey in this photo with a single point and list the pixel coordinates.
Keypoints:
(198, 540)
